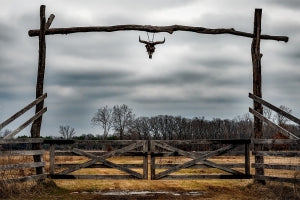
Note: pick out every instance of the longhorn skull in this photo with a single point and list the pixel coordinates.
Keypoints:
(150, 46)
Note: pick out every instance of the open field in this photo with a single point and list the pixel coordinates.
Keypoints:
(154, 189)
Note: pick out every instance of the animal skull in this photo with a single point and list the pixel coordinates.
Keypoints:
(150, 46)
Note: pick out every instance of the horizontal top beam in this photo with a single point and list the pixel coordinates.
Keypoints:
(154, 29)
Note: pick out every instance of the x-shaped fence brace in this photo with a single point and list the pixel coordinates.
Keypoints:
(195, 159)
(104, 161)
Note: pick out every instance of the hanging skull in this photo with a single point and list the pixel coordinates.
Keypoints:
(150, 46)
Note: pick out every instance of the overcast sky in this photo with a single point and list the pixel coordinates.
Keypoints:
(190, 75)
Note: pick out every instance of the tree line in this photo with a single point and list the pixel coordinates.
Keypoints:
(120, 122)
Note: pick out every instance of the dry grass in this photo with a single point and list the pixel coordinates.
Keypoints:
(212, 189)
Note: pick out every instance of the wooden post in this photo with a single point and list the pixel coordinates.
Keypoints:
(36, 126)
(152, 151)
(247, 158)
(52, 159)
(256, 63)
(145, 160)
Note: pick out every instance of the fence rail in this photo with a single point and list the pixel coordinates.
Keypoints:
(14, 172)
(284, 165)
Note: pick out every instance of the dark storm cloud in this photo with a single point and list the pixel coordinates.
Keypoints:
(292, 4)
(102, 78)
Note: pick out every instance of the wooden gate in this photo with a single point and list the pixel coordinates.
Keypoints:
(100, 159)
(198, 160)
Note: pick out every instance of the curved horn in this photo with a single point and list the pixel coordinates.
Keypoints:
(159, 42)
(142, 41)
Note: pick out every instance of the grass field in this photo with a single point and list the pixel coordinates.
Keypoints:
(153, 189)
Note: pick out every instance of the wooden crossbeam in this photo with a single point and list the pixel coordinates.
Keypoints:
(22, 166)
(194, 161)
(174, 149)
(36, 116)
(22, 111)
(154, 29)
(275, 126)
(276, 109)
(107, 155)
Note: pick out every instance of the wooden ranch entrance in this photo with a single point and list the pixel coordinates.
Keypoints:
(158, 156)
(166, 159)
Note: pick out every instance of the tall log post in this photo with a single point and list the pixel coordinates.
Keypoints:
(36, 126)
(257, 90)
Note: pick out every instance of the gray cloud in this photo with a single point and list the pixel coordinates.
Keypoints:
(190, 75)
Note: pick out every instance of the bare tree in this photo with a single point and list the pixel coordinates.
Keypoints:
(122, 119)
(267, 112)
(103, 118)
(4, 133)
(67, 132)
(281, 120)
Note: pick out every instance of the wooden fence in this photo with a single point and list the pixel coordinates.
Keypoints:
(279, 165)
(199, 160)
(34, 143)
(136, 149)
(145, 154)
(17, 165)
(281, 160)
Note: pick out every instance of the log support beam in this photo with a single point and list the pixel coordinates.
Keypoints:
(257, 90)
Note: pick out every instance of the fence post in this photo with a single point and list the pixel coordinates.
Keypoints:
(152, 153)
(36, 126)
(256, 63)
(52, 159)
(247, 158)
(145, 160)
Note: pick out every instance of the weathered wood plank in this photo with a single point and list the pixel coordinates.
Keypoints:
(205, 141)
(276, 166)
(99, 153)
(200, 166)
(112, 177)
(277, 153)
(276, 141)
(247, 159)
(59, 142)
(206, 176)
(276, 109)
(22, 153)
(157, 166)
(275, 126)
(145, 159)
(141, 154)
(52, 158)
(149, 28)
(21, 166)
(279, 179)
(194, 161)
(63, 165)
(175, 150)
(152, 161)
(25, 124)
(212, 164)
(25, 179)
(21, 141)
(22, 111)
